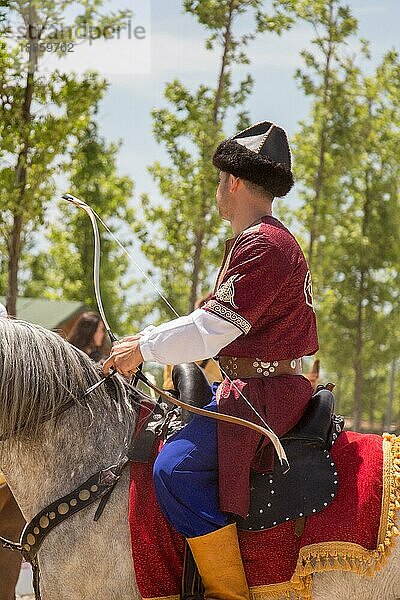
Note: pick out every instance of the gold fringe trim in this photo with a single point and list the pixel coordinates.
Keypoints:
(283, 591)
(343, 556)
(276, 591)
(346, 556)
(163, 598)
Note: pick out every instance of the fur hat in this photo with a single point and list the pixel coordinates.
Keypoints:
(259, 154)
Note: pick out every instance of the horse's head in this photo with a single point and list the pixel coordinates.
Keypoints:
(40, 374)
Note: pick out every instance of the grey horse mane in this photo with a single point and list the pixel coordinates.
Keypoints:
(40, 373)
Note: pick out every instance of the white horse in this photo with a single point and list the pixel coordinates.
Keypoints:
(56, 451)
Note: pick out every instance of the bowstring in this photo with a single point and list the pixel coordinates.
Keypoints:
(232, 383)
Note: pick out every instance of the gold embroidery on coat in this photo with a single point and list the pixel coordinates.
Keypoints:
(226, 291)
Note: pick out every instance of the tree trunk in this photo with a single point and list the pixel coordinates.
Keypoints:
(389, 407)
(359, 342)
(15, 238)
(14, 250)
(197, 264)
(198, 260)
(14, 241)
(320, 174)
(224, 62)
(357, 363)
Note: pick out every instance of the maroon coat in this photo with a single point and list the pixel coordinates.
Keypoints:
(264, 288)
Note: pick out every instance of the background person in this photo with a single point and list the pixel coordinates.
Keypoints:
(88, 335)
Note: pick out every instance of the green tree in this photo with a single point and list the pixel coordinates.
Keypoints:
(316, 146)
(183, 242)
(66, 270)
(365, 254)
(42, 115)
(349, 181)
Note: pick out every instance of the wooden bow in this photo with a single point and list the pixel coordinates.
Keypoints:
(264, 431)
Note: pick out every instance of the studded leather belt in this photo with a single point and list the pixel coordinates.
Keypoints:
(243, 367)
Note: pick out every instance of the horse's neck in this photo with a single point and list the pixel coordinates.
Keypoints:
(63, 457)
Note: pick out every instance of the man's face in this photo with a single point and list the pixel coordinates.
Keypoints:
(224, 196)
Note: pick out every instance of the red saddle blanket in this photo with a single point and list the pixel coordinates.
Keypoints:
(354, 533)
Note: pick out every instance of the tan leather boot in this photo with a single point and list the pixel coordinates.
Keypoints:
(219, 562)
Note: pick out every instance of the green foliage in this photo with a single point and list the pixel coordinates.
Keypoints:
(348, 171)
(41, 117)
(66, 270)
(182, 235)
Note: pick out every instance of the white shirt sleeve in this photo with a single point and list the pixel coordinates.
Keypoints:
(196, 336)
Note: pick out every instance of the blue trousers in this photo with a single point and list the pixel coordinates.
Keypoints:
(186, 478)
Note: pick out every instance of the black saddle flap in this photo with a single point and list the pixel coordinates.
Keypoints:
(308, 487)
(311, 483)
(315, 425)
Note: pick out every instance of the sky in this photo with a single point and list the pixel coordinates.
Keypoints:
(177, 51)
(171, 46)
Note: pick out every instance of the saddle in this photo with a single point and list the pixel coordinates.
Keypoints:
(308, 487)
(311, 483)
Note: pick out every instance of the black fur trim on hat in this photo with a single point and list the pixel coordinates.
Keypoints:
(238, 160)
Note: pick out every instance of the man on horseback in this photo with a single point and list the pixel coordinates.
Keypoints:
(260, 321)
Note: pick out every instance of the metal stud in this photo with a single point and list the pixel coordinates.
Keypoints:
(314, 510)
(265, 365)
(332, 495)
(274, 523)
(275, 363)
(63, 508)
(271, 369)
(73, 502)
(255, 364)
(300, 514)
(44, 522)
(293, 364)
(52, 515)
(287, 519)
(94, 488)
(30, 538)
(269, 505)
(259, 370)
(27, 547)
(261, 511)
(272, 492)
(84, 495)
(36, 530)
(265, 373)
